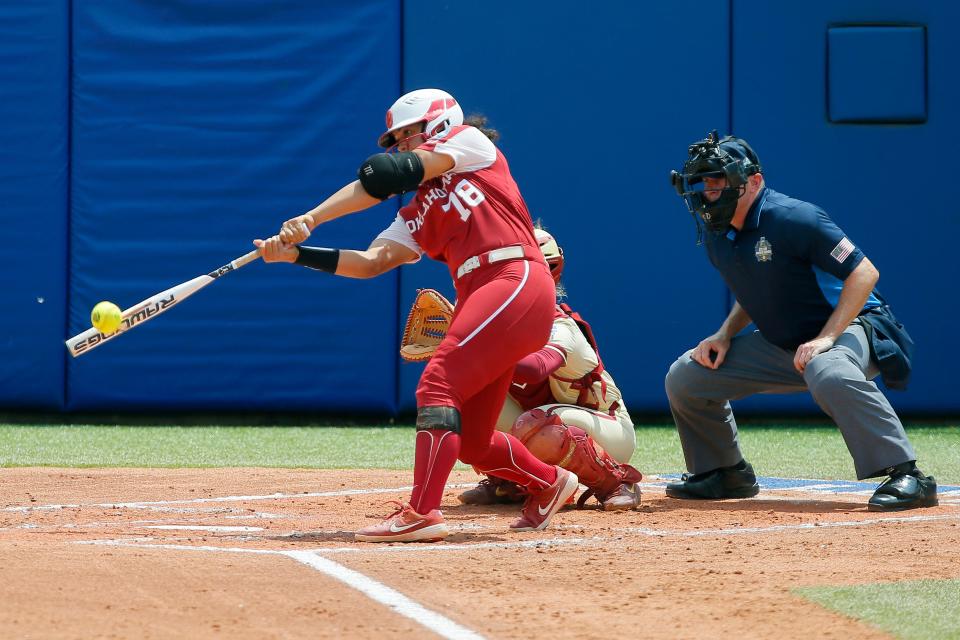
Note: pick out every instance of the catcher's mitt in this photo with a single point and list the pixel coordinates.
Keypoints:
(426, 326)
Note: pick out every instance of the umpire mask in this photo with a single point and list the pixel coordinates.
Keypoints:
(730, 158)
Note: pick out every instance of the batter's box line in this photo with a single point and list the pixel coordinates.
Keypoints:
(378, 548)
(377, 591)
(807, 526)
(654, 483)
(272, 496)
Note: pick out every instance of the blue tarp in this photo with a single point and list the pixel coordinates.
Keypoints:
(33, 201)
(198, 127)
(145, 143)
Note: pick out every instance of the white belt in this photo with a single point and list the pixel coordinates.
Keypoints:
(496, 255)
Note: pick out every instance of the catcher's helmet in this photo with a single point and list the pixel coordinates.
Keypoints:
(551, 251)
(435, 108)
(730, 158)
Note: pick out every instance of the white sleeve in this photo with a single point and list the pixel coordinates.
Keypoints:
(399, 233)
(469, 148)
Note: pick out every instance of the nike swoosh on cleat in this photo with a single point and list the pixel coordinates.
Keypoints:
(395, 529)
(543, 511)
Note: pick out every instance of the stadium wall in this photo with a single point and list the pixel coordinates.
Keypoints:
(147, 143)
(34, 179)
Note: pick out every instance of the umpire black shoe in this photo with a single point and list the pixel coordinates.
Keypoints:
(719, 484)
(904, 490)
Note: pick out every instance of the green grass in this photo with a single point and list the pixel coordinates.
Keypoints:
(819, 452)
(921, 610)
(219, 446)
(787, 451)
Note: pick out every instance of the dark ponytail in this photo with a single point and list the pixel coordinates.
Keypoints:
(480, 122)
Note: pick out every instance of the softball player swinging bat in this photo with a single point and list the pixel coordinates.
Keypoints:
(468, 213)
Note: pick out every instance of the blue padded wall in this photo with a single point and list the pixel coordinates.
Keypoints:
(33, 199)
(883, 184)
(198, 127)
(147, 143)
(594, 107)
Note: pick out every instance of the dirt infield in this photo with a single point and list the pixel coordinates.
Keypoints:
(268, 553)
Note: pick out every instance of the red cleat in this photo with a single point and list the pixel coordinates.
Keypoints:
(406, 525)
(540, 507)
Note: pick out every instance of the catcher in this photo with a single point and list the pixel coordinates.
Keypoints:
(563, 405)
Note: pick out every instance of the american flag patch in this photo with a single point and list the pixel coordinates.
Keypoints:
(843, 249)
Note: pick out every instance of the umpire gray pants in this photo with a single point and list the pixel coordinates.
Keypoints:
(839, 379)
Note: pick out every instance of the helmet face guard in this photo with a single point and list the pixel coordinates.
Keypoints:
(729, 158)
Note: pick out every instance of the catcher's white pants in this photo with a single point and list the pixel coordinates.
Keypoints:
(614, 433)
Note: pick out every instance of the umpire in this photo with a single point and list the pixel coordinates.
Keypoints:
(821, 326)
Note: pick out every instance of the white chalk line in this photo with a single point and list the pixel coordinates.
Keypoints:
(649, 487)
(376, 591)
(140, 542)
(466, 527)
(197, 527)
(392, 599)
(548, 542)
(271, 496)
(161, 505)
(524, 544)
(663, 533)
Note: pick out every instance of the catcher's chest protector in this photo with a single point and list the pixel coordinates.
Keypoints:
(585, 384)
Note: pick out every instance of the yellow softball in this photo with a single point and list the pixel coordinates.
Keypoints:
(106, 317)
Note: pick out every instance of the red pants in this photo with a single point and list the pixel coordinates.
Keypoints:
(504, 312)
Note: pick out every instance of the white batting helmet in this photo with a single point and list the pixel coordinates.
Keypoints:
(551, 251)
(435, 108)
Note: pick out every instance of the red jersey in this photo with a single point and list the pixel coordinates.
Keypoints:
(471, 209)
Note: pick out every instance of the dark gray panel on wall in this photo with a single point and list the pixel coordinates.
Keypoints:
(877, 74)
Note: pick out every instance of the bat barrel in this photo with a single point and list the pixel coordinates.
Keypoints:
(153, 306)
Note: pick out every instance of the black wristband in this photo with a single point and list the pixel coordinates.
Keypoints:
(319, 258)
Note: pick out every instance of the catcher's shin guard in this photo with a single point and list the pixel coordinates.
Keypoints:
(552, 441)
(443, 418)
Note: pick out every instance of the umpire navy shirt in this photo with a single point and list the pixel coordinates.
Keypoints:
(786, 267)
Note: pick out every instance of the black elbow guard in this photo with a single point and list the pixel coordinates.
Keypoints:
(389, 174)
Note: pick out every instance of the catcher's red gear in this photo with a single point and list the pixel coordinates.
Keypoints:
(548, 438)
(493, 490)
